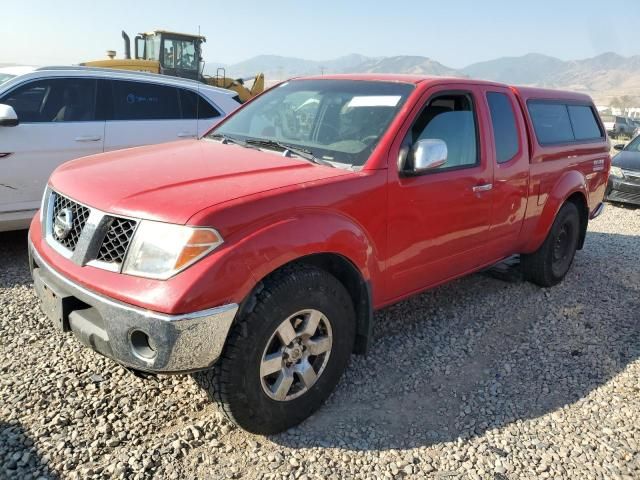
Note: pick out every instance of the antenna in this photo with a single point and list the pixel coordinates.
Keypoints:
(198, 79)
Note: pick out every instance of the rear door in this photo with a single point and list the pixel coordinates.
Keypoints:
(58, 122)
(510, 156)
(145, 113)
(439, 221)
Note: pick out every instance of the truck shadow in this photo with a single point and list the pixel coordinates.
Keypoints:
(14, 259)
(481, 353)
(19, 458)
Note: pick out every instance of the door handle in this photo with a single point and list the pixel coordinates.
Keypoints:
(186, 135)
(482, 188)
(88, 139)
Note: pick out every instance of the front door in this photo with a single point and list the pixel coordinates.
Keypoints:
(439, 221)
(57, 123)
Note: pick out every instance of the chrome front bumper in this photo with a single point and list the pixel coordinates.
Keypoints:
(135, 337)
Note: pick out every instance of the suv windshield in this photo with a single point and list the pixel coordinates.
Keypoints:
(634, 145)
(334, 120)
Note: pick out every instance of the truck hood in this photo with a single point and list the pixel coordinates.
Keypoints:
(171, 182)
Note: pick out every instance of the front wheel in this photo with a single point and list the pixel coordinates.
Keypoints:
(551, 262)
(284, 357)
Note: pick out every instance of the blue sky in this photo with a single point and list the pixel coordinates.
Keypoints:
(453, 32)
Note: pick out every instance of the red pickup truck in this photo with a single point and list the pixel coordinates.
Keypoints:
(255, 256)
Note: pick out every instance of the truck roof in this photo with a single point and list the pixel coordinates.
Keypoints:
(528, 93)
(525, 93)
(388, 77)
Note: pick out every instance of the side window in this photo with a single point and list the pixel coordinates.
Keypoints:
(54, 100)
(191, 109)
(505, 132)
(144, 101)
(551, 122)
(206, 110)
(585, 126)
(450, 118)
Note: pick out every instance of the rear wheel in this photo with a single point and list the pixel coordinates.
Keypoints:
(284, 357)
(551, 262)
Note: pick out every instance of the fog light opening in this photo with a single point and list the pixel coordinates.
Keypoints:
(141, 345)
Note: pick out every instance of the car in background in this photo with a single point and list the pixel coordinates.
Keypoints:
(7, 73)
(624, 176)
(51, 115)
(616, 125)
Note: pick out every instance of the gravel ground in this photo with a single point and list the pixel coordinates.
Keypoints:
(481, 378)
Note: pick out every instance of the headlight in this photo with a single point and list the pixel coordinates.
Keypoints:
(160, 250)
(616, 172)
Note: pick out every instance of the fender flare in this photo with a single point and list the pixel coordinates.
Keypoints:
(307, 234)
(570, 183)
(314, 237)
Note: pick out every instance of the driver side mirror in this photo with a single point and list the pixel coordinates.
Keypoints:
(425, 155)
(8, 116)
(619, 146)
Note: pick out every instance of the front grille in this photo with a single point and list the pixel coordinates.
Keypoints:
(619, 196)
(116, 241)
(632, 177)
(628, 188)
(79, 216)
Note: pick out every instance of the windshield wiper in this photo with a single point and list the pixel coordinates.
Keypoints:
(226, 139)
(298, 151)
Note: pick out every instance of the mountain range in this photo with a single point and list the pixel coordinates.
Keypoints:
(604, 77)
(609, 78)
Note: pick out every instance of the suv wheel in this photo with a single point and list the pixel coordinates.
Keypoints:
(285, 356)
(551, 262)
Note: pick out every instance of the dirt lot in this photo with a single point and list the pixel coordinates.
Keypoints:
(481, 378)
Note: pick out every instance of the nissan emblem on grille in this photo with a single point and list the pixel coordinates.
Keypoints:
(68, 219)
(63, 223)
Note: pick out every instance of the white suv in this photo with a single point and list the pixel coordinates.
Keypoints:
(54, 114)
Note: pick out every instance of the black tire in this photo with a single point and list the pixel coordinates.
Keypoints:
(236, 383)
(551, 262)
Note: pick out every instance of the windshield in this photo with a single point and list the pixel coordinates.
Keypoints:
(334, 120)
(179, 54)
(634, 145)
(4, 77)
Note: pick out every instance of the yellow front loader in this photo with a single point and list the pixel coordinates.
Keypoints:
(178, 55)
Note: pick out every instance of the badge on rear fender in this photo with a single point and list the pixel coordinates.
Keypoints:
(598, 165)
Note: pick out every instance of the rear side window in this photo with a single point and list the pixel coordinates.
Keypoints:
(551, 122)
(505, 132)
(194, 106)
(556, 122)
(144, 101)
(585, 126)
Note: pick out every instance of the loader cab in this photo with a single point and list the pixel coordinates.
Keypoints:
(178, 54)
